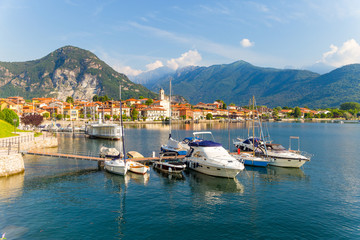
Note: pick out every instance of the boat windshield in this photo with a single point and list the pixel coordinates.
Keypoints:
(207, 136)
(216, 152)
(275, 147)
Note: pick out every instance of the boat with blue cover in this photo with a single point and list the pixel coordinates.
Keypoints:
(209, 157)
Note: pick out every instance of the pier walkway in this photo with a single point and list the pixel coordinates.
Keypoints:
(92, 158)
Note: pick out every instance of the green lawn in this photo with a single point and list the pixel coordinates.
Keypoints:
(6, 129)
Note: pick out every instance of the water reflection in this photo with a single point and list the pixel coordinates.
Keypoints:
(279, 174)
(171, 177)
(11, 187)
(210, 186)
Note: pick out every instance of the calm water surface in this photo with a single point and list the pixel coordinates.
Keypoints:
(69, 199)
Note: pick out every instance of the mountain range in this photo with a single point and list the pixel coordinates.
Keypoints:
(71, 71)
(68, 71)
(239, 81)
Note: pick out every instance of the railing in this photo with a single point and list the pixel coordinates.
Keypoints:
(23, 138)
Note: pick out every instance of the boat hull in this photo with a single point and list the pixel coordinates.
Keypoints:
(138, 168)
(169, 168)
(216, 171)
(287, 162)
(116, 167)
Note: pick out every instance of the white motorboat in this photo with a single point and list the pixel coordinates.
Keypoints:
(277, 154)
(281, 157)
(211, 158)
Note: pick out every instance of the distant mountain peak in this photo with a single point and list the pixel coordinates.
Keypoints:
(67, 71)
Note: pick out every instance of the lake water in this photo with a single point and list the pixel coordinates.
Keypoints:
(69, 199)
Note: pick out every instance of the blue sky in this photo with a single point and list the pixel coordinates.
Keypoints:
(141, 35)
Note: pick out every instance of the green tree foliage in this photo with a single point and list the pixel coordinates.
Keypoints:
(350, 106)
(2, 116)
(107, 116)
(9, 116)
(95, 98)
(46, 115)
(209, 116)
(59, 117)
(297, 112)
(275, 113)
(69, 99)
(149, 102)
(141, 97)
(134, 114)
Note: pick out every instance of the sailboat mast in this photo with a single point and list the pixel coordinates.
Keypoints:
(253, 126)
(170, 111)
(122, 126)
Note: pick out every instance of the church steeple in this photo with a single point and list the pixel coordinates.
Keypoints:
(162, 94)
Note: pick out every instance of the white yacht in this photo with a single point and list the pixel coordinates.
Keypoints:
(277, 154)
(281, 157)
(211, 158)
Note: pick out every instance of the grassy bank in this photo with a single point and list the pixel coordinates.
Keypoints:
(6, 130)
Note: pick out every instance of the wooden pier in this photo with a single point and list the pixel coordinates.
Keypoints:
(91, 158)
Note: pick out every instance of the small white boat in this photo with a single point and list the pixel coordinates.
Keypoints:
(117, 166)
(135, 166)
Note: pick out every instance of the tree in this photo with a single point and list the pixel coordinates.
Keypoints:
(134, 114)
(32, 119)
(149, 102)
(297, 112)
(59, 117)
(107, 116)
(69, 99)
(350, 106)
(9, 116)
(141, 97)
(224, 106)
(275, 113)
(209, 116)
(95, 98)
(46, 115)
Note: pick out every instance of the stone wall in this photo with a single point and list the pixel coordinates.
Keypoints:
(11, 164)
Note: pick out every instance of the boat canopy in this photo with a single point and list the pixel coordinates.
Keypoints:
(251, 140)
(204, 144)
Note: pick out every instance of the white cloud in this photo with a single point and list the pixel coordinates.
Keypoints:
(191, 57)
(246, 43)
(154, 65)
(348, 53)
(127, 70)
